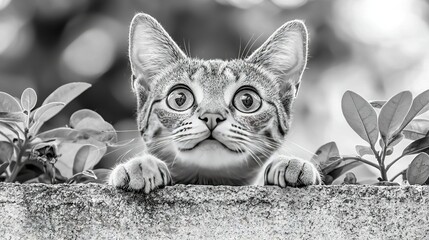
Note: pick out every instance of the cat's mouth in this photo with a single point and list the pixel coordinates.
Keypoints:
(210, 144)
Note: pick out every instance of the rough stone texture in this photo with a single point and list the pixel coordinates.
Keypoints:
(206, 212)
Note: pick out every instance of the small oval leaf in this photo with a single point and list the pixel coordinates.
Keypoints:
(43, 114)
(393, 113)
(360, 116)
(363, 150)
(81, 158)
(92, 123)
(347, 166)
(64, 134)
(3, 167)
(418, 170)
(69, 150)
(67, 92)
(47, 111)
(324, 154)
(420, 105)
(28, 99)
(417, 146)
(13, 116)
(6, 151)
(396, 139)
(416, 129)
(82, 114)
(350, 178)
(9, 103)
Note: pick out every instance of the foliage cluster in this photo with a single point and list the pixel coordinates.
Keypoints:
(66, 154)
(396, 120)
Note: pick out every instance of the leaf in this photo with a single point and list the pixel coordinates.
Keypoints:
(417, 146)
(12, 116)
(420, 105)
(360, 116)
(349, 165)
(416, 129)
(47, 111)
(326, 155)
(393, 113)
(68, 151)
(83, 114)
(418, 170)
(64, 134)
(396, 139)
(28, 99)
(43, 114)
(9, 103)
(377, 103)
(363, 150)
(122, 143)
(350, 178)
(3, 167)
(6, 151)
(81, 177)
(31, 170)
(67, 92)
(74, 135)
(81, 158)
(92, 123)
(9, 129)
(328, 180)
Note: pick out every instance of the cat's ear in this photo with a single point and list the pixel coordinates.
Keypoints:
(284, 54)
(151, 49)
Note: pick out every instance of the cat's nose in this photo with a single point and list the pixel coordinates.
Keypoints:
(211, 119)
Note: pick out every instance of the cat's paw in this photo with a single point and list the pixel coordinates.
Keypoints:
(144, 173)
(285, 171)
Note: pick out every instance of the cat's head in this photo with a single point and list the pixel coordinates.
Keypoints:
(214, 113)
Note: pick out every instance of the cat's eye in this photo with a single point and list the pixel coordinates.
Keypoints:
(247, 101)
(180, 99)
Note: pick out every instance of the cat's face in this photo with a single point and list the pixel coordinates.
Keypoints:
(214, 114)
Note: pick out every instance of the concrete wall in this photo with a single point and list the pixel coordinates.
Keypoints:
(196, 212)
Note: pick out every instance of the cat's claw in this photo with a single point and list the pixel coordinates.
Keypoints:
(143, 173)
(285, 171)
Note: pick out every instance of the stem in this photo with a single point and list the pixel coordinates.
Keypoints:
(383, 170)
(14, 173)
(397, 175)
(393, 162)
(380, 163)
(19, 164)
(361, 160)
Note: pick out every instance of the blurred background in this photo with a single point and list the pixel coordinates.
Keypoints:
(375, 48)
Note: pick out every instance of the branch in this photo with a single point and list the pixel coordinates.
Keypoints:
(362, 160)
(393, 162)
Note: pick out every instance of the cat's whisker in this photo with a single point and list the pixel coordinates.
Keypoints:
(159, 144)
(250, 48)
(239, 48)
(252, 154)
(244, 50)
(121, 148)
(300, 147)
(122, 156)
(184, 45)
(189, 48)
(121, 131)
(238, 148)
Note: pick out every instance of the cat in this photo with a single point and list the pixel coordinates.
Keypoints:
(214, 122)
